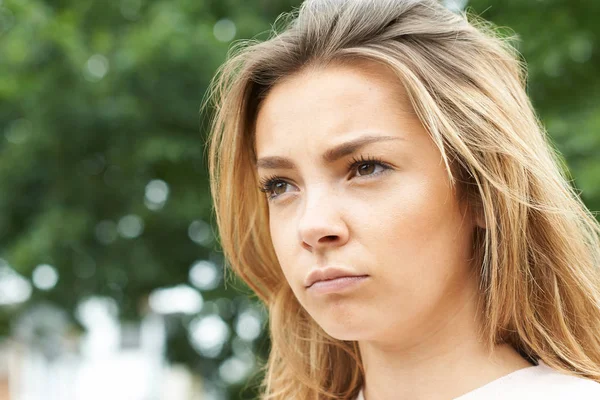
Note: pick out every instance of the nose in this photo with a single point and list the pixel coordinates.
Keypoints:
(321, 224)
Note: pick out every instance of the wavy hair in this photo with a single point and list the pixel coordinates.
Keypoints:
(539, 254)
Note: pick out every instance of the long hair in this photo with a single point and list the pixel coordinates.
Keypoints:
(538, 257)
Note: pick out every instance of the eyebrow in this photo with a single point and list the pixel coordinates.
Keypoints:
(330, 156)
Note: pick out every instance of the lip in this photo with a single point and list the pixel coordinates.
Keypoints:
(329, 275)
(337, 285)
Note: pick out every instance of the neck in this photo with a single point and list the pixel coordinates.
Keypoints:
(443, 360)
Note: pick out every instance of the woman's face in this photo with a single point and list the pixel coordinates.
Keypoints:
(357, 188)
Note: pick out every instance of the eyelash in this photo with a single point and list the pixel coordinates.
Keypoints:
(267, 184)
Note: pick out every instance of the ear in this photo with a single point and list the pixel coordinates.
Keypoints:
(480, 218)
(475, 208)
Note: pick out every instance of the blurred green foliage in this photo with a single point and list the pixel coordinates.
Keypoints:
(97, 99)
(559, 40)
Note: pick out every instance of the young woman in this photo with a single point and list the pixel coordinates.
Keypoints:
(414, 236)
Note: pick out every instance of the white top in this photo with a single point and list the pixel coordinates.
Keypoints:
(538, 382)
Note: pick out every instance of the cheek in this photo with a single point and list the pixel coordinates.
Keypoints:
(426, 239)
(407, 212)
(420, 209)
(283, 243)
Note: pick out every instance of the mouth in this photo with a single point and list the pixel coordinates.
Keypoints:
(331, 276)
(337, 285)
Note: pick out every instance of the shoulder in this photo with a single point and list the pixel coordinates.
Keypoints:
(535, 383)
(557, 385)
(538, 383)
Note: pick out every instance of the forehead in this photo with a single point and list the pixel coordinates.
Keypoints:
(329, 101)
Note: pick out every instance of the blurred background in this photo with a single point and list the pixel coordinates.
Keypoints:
(111, 279)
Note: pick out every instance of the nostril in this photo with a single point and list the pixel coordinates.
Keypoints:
(323, 240)
(330, 238)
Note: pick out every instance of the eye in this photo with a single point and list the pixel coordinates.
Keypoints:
(367, 169)
(362, 167)
(274, 186)
(367, 166)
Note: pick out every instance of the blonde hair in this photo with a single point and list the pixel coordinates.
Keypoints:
(539, 254)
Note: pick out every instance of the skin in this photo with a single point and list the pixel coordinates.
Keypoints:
(415, 317)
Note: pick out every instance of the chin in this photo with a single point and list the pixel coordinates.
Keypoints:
(345, 336)
(342, 321)
(343, 331)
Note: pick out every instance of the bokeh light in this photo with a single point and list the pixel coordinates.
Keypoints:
(179, 299)
(200, 232)
(130, 226)
(205, 275)
(208, 334)
(248, 325)
(96, 68)
(224, 30)
(18, 131)
(45, 277)
(14, 288)
(106, 231)
(157, 193)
